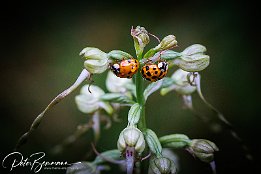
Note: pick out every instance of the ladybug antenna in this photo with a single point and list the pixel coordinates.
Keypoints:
(154, 37)
(91, 82)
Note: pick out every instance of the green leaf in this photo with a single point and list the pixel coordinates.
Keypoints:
(153, 87)
(114, 154)
(175, 141)
(153, 142)
(134, 114)
(150, 53)
(117, 98)
(118, 55)
(170, 55)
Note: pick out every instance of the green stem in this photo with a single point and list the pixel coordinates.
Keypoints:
(140, 97)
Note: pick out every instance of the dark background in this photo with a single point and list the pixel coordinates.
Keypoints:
(40, 45)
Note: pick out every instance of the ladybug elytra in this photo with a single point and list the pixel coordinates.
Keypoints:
(154, 72)
(125, 68)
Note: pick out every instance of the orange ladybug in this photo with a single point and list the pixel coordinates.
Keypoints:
(125, 68)
(154, 72)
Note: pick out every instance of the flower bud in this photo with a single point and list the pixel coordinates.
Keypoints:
(167, 43)
(115, 84)
(96, 60)
(141, 34)
(181, 84)
(141, 39)
(90, 102)
(131, 137)
(193, 59)
(203, 149)
(162, 165)
(194, 49)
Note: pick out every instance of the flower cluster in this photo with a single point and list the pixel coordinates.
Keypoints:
(125, 87)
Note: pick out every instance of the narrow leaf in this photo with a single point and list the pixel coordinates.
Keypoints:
(153, 87)
(114, 154)
(153, 142)
(118, 55)
(134, 114)
(174, 141)
(84, 75)
(170, 55)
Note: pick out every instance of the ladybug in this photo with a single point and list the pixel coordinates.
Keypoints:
(125, 68)
(154, 72)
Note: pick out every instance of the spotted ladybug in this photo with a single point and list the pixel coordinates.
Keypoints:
(125, 68)
(154, 72)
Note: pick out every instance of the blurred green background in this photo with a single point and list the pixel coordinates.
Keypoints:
(40, 46)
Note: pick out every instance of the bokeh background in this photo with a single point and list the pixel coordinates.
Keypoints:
(40, 45)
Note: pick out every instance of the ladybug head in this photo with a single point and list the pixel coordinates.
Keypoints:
(115, 68)
(163, 66)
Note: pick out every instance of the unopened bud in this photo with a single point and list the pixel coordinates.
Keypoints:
(193, 59)
(162, 165)
(90, 102)
(120, 85)
(203, 149)
(141, 39)
(131, 137)
(180, 84)
(167, 42)
(194, 49)
(96, 60)
(141, 34)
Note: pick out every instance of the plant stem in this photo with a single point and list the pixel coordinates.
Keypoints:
(140, 97)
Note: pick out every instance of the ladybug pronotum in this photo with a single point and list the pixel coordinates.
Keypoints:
(125, 68)
(154, 72)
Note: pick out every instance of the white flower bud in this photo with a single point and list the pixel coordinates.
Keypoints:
(193, 59)
(167, 43)
(116, 84)
(181, 84)
(131, 137)
(162, 165)
(96, 60)
(203, 149)
(90, 102)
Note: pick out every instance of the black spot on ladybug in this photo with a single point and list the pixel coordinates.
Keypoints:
(129, 72)
(154, 77)
(128, 77)
(156, 72)
(135, 61)
(147, 68)
(148, 73)
(161, 73)
(142, 71)
(154, 68)
(148, 79)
